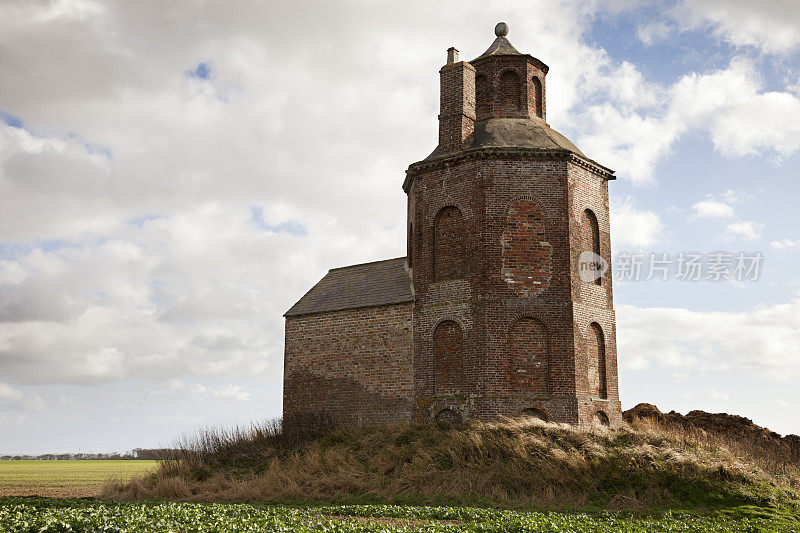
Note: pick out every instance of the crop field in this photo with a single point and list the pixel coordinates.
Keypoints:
(36, 515)
(66, 478)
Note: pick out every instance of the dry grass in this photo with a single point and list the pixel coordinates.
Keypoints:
(778, 461)
(510, 462)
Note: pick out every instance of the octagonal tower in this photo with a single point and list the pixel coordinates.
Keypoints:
(499, 216)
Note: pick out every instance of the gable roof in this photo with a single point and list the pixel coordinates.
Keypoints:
(365, 285)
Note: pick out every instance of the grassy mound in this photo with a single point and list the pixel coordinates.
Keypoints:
(647, 465)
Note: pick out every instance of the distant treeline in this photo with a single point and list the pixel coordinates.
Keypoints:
(154, 454)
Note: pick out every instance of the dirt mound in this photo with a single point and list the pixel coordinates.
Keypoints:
(643, 410)
(730, 427)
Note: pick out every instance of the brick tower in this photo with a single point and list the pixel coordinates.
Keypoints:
(502, 218)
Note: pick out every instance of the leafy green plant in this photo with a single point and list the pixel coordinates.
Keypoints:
(28, 515)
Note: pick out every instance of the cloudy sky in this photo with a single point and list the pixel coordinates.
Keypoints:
(174, 176)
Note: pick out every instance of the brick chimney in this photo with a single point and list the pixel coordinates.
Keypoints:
(456, 104)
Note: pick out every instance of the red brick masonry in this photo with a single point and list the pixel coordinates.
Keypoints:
(488, 315)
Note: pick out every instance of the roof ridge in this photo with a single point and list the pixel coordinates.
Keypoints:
(368, 263)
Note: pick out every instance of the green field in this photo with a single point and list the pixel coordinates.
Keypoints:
(36, 515)
(65, 478)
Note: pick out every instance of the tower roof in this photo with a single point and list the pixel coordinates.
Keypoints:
(466, 130)
(515, 133)
(501, 45)
(520, 133)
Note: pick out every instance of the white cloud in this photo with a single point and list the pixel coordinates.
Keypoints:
(762, 341)
(714, 395)
(712, 209)
(736, 197)
(709, 394)
(653, 32)
(762, 122)
(728, 104)
(627, 141)
(7, 392)
(770, 26)
(740, 119)
(746, 229)
(627, 86)
(784, 244)
(193, 281)
(228, 393)
(634, 227)
(129, 192)
(156, 225)
(20, 399)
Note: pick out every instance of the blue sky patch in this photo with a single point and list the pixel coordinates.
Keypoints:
(139, 221)
(11, 120)
(292, 227)
(202, 71)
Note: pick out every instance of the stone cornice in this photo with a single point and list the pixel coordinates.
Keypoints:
(505, 153)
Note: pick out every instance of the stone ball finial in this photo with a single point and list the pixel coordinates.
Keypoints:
(501, 30)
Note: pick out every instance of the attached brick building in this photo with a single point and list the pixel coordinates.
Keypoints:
(488, 315)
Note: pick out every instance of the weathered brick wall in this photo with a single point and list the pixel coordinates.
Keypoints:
(355, 365)
(590, 237)
(449, 298)
(526, 252)
(449, 244)
(529, 357)
(483, 96)
(540, 186)
(448, 355)
(516, 271)
(596, 361)
(508, 87)
(457, 106)
(525, 219)
(508, 93)
(592, 302)
(534, 337)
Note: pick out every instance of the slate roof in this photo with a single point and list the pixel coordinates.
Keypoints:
(515, 133)
(520, 132)
(365, 285)
(500, 47)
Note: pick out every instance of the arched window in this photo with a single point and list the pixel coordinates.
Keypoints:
(410, 250)
(448, 245)
(527, 346)
(596, 355)
(448, 354)
(590, 237)
(532, 412)
(483, 98)
(526, 252)
(538, 105)
(509, 92)
(447, 416)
